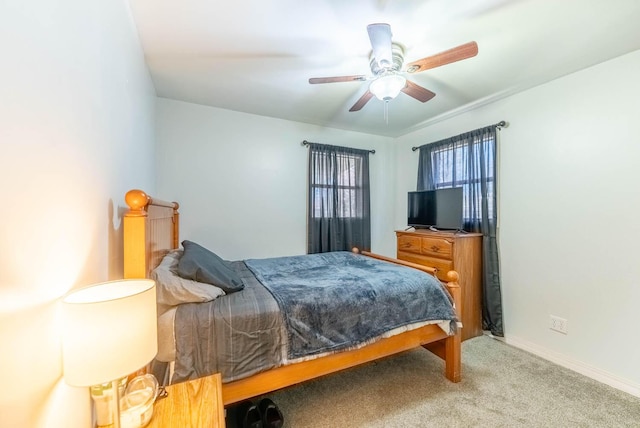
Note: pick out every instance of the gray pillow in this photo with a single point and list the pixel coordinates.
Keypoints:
(199, 264)
(172, 290)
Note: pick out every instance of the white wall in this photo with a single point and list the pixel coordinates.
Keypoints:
(76, 132)
(241, 179)
(569, 201)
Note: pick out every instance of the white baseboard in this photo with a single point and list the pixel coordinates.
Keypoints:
(575, 365)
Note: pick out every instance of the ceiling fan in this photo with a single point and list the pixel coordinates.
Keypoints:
(386, 61)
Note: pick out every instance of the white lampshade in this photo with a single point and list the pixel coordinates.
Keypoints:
(109, 331)
(387, 87)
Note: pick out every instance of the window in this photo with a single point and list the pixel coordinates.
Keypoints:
(335, 193)
(338, 199)
(458, 164)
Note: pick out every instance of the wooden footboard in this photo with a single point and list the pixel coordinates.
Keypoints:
(151, 230)
(448, 349)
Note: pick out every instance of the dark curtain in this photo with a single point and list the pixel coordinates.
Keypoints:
(338, 199)
(469, 160)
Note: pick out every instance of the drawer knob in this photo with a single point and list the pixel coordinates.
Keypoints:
(435, 248)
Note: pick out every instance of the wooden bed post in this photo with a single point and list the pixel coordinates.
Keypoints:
(448, 349)
(453, 350)
(135, 229)
(151, 228)
(176, 225)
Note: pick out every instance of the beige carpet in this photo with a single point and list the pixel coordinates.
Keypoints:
(502, 387)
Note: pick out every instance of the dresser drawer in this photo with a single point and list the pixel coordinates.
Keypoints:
(443, 266)
(409, 243)
(437, 247)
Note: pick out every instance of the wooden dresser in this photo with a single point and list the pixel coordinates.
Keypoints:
(445, 251)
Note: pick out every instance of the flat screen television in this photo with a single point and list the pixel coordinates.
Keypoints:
(439, 209)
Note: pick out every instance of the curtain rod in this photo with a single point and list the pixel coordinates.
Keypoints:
(306, 143)
(499, 125)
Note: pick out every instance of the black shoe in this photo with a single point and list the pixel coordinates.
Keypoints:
(243, 415)
(271, 414)
(230, 416)
(248, 415)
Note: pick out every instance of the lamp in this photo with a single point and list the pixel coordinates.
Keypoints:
(388, 86)
(109, 332)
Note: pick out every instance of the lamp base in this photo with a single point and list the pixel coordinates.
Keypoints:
(106, 398)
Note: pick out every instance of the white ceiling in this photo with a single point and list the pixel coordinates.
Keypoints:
(256, 56)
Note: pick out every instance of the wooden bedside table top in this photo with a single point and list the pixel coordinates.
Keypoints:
(196, 403)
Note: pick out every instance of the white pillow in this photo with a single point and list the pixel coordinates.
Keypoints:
(172, 290)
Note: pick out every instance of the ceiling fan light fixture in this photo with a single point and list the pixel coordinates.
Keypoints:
(387, 87)
(386, 60)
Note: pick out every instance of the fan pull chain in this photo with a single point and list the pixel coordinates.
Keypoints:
(386, 111)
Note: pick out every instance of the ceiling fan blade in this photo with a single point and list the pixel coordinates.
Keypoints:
(358, 78)
(418, 92)
(461, 52)
(362, 101)
(380, 37)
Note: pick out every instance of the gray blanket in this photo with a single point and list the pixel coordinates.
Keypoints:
(236, 335)
(333, 301)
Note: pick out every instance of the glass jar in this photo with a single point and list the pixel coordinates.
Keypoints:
(136, 406)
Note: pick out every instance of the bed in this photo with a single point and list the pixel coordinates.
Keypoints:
(151, 237)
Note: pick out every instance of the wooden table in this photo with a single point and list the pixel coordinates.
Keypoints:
(192, 404)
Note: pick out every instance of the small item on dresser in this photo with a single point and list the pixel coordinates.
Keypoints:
(162, 393)
(136, 406)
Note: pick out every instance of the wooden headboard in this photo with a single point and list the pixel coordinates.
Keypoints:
(151, 229)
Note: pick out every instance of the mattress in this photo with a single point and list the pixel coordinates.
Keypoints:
(166, 336)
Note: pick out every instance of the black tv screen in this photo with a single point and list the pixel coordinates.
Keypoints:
(440, 209)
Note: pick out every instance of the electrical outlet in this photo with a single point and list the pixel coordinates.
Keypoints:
(558, 324)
